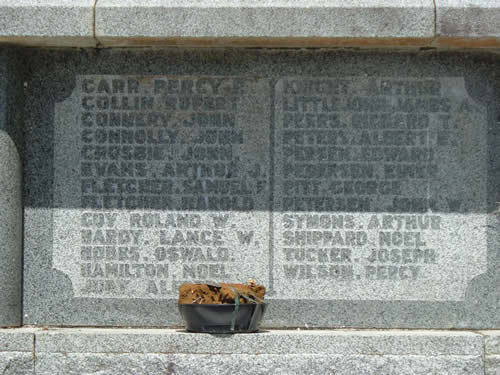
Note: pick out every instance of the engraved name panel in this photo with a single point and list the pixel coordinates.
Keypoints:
(379, 188)
(164, 180)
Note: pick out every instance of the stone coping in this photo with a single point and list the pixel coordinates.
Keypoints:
(290, 341)
(153, 351)
(264, 23)
(266, 341)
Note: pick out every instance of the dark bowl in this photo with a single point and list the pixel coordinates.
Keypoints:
(222, 318)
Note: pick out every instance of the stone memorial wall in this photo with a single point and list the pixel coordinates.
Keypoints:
(345, 154)
(359, 187)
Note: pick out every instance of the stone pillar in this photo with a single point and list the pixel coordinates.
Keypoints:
(11, 188)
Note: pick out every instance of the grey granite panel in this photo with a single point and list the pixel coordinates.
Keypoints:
(491, 342)
(470, 19)
(17, 340)
(156, 364)
(136, 22)
(12, 79)
(160, 351)
(366, 193)
(39, 22)
(257, 18)
(10, 191)
(10, 233)
(398, 343)
(17, 351)
(492, 365)
(492, 352)
(16, 363)
(362, 186)
(189, 188)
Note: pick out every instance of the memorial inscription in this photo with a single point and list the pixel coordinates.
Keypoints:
(171, 180)
(165, 182)
(359, 188)
(373, 178)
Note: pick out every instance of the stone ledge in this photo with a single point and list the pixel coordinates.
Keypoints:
(255, 23)
(492, 342)
(492, 365)
(160, 351)
(471, 19)
(95, 340)
(214, 364)
(17, 339)
(271, 342)
(141, 21)
(17, 351)
(492, 352)
(471, 24)
(61, 23)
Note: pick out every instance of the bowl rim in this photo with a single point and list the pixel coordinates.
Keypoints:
(222, 304)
